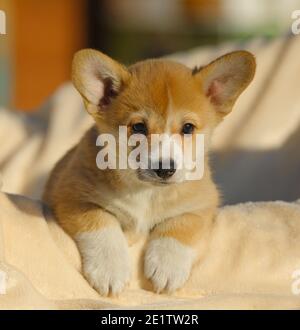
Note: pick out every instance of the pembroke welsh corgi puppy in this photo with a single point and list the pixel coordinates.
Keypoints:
(101, 208)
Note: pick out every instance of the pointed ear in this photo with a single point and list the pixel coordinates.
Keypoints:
(98, 78)
(224, 79)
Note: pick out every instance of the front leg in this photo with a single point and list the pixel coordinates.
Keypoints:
(102, 245)
(173, 249)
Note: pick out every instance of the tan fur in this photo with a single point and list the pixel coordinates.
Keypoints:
(166, 95)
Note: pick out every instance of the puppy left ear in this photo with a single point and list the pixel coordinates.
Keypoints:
(224, 79)
(98, 78)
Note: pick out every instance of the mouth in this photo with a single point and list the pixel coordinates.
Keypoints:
(150, 177)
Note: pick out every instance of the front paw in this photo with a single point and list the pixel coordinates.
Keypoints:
(106, 262)
(168, 263)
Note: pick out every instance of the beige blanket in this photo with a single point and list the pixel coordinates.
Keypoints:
(253, 259)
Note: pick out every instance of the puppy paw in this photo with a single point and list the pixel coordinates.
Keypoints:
(106, 262)
(168, 264)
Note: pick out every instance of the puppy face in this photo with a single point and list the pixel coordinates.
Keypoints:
(161, 101)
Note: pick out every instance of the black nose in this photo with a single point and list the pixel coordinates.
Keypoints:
(166, 172)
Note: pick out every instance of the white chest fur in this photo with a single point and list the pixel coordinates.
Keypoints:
(141, 210)
(137, 211)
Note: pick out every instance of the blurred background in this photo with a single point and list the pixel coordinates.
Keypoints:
(42, 36)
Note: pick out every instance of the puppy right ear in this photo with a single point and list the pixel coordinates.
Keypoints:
(98, 78)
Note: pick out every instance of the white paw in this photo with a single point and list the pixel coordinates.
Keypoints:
(168, 264)
(105, 257)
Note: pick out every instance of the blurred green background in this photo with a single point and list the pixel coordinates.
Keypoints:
(42, 36)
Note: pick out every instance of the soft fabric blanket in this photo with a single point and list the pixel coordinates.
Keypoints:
(254, 251)
(253, 255)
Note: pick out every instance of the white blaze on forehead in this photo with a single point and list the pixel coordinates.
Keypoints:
(170, 114)
(167, 146)
(188, 158)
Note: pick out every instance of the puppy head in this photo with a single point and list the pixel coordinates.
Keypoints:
(161, 98)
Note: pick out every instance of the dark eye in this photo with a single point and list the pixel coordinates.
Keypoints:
(139, 128)
(188, 128)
